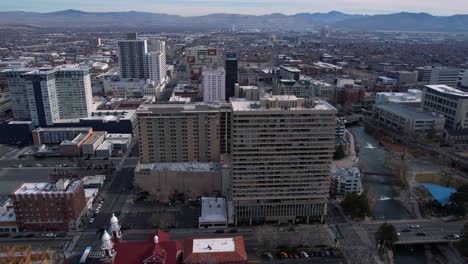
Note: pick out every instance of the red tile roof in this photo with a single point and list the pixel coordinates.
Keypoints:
(238, 256)
(165, 252)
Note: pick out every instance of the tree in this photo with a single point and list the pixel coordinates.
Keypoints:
(357, 205)
(340, 153)
(463, 244)
(460, 200)
(386, 236)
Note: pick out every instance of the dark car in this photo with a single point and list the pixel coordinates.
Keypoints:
(18, 236)
(4, 235)
(219, 231)
(233, 230)
(30, 235)
(420, 234)
(406, 230)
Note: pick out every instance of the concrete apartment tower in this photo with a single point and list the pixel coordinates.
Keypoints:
(214, 85)
(281, 151)
(49, 94)
(132, 57)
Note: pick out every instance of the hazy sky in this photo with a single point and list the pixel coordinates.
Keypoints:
(202, 7)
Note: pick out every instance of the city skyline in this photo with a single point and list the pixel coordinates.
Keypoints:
(255, 7)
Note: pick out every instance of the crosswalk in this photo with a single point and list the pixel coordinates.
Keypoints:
(92, 254)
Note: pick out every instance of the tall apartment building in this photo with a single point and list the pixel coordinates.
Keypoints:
(199, 57)
(179, 133)
(50, 94)
(231, 74)
(132, 58)
(156, 67)
(448, 101)
(45, 206)
(18, 93)
(74, 92)
(281, 150)
(214, 85)
(142, 59)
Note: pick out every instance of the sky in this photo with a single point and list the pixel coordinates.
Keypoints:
(254, 7)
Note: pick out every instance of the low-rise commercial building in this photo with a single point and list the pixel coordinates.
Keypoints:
(45, 206)
(165, 180)
(93, 142)
(408, 120)
(228, 250)
(346, 181)
(7, 215)
(456, 138)
(213, 213)
(447, 101)
(72, 148)
(56, 135)
(104, 150)
(412, 98)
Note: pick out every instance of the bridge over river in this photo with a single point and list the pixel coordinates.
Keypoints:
(435, 231)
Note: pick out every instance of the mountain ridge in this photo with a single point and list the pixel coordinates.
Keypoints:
(402, 21)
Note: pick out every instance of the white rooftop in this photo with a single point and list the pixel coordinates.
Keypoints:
(213, 210)
(45, 187)
(211, 245)
(447, 90)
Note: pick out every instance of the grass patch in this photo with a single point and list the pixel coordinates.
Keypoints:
(440, 179)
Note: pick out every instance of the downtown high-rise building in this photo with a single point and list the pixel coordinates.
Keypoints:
(231, 74)
(281, 151)
(48, 94)
(132, 58)
(179, 133)
(142, 59)
(214, 86)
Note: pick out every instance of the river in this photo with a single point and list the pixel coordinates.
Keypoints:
(373, 158)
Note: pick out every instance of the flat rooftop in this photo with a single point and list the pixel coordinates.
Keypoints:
(213, 210)
(407, 111)
(45, 187)
(180, 166)
(447, 90)
(290, 69)
(277, 102)
(211, 245)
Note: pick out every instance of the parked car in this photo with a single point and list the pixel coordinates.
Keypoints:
(233, 230)
(303, 254)
(406, 230)
(219, 231)
(420, 234)
(91, 220)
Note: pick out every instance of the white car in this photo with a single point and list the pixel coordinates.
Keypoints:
(91, 220)
(96, 211)
(51, 235)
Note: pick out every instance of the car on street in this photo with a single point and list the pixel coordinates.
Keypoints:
(267, 256)
(406, 230)
(219, 231)
(453, 236)
(421, 234)
(414, 226)
(96, 211)
(91, 220)
(303, 254)
(50, 235)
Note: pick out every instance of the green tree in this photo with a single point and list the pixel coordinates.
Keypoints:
(463, 244)
(357, 205)
(340, 153)
(460, 200)
(386, 236)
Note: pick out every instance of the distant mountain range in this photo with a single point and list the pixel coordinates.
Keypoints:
(300, 22)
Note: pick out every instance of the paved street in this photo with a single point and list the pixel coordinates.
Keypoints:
(435, 231)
